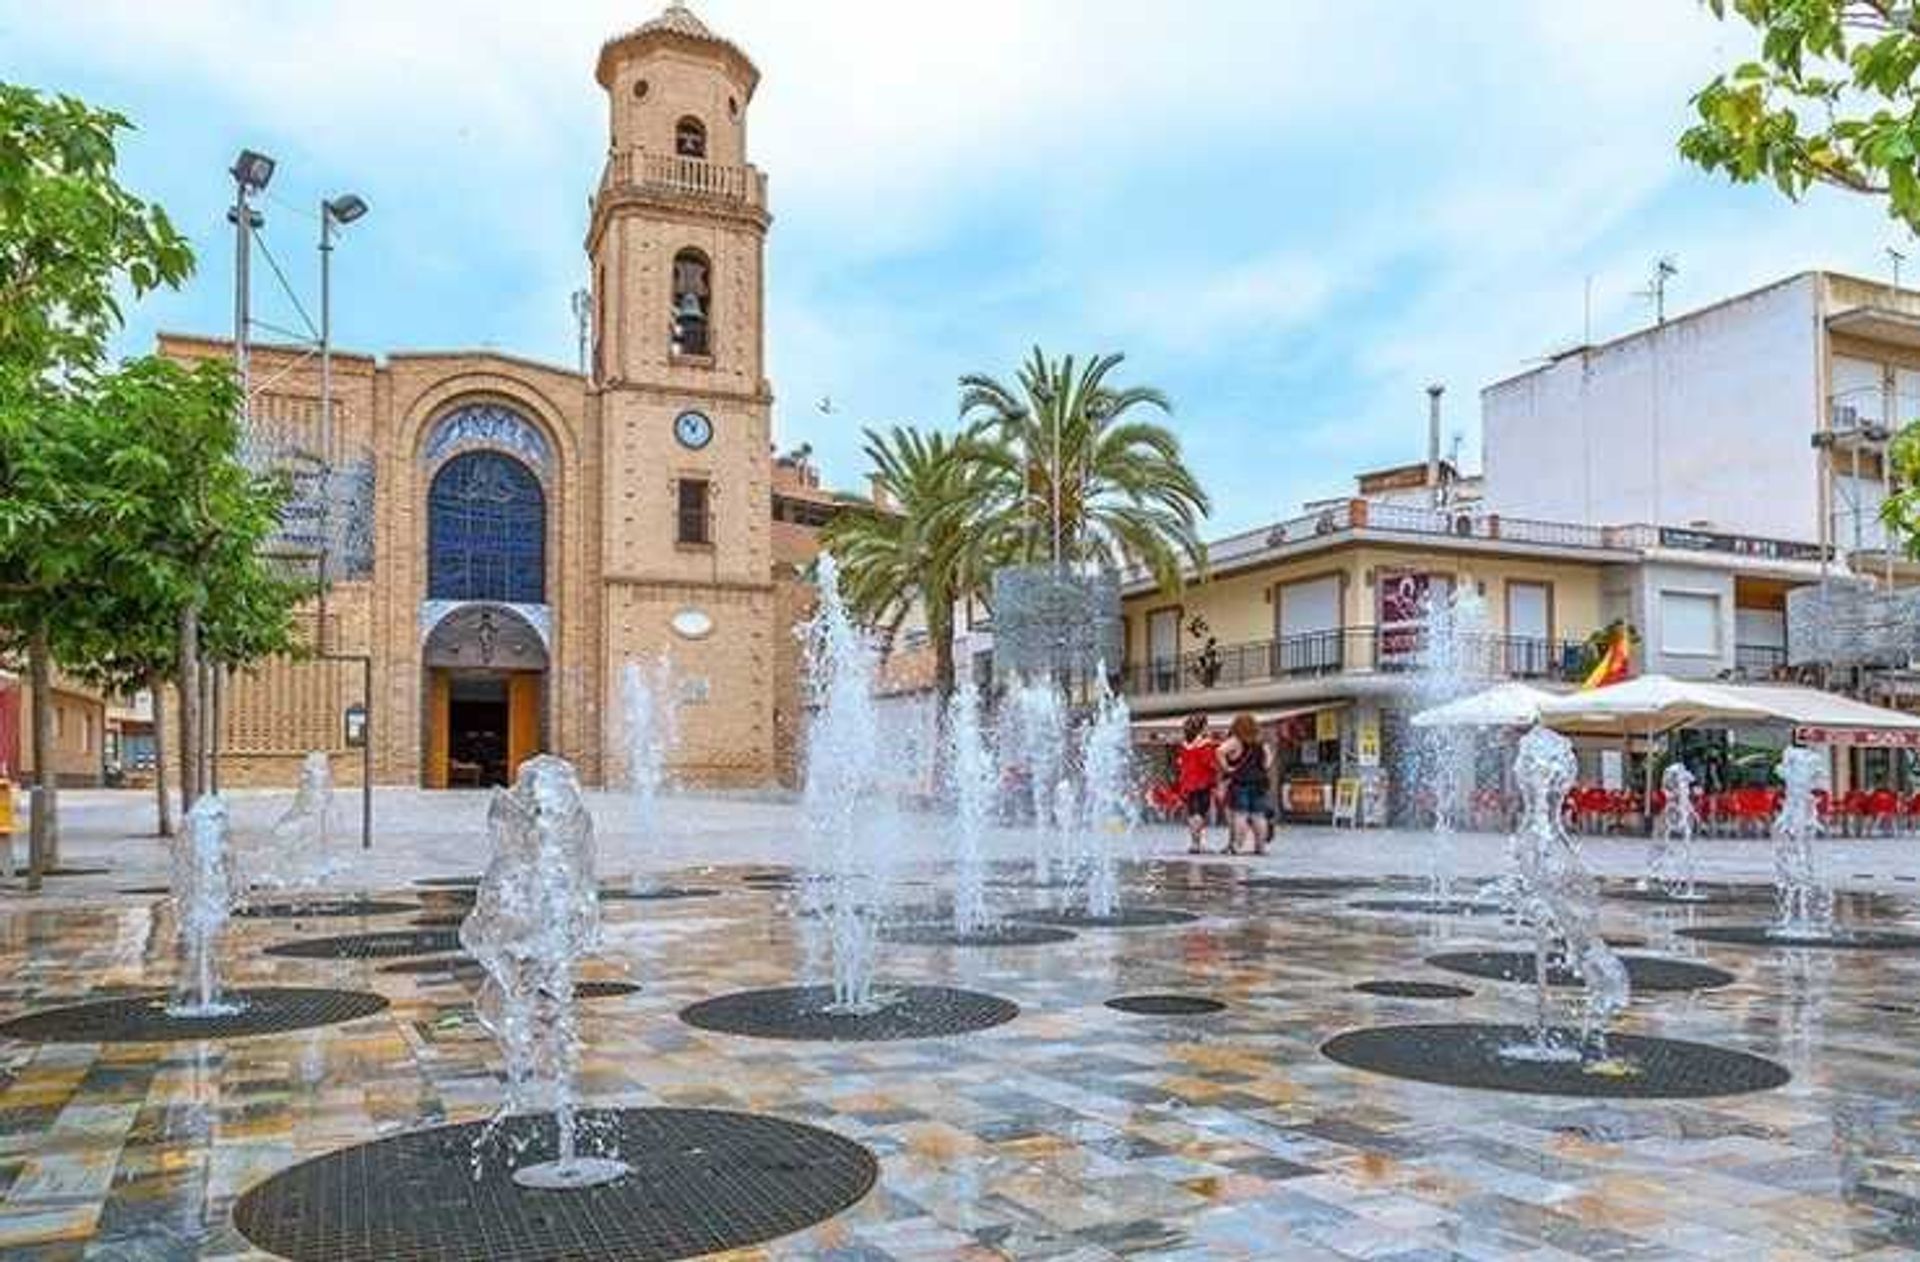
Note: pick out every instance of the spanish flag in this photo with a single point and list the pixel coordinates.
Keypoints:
(1614, 665)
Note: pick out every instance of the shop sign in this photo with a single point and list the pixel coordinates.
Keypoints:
(1738, 545)
(1326, 725)
(1367, 742)
(1865, 737)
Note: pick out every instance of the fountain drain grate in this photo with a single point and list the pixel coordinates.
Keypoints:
(1646, 973)
(1466, 1055)
(1320, 886)
(372, 946)
(448, 882)
(1760, 936)
(1708, 895)
(1165, 1005)
(440, 920)
(1123, 918)
(799, 1012)
(662, 894)
(704, 1181)
(1003, 934)
(144, 1019)
(1430, 906)
(322, 908)
(1394, 989)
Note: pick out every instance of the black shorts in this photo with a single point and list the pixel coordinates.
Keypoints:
(1200, 802)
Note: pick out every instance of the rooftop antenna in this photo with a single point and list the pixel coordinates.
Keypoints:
(1664, 269)
(1896, 258)
(1586, 314)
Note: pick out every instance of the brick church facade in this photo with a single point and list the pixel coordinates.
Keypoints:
(517, 533)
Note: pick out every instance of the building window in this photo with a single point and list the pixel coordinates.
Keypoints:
(486, 531)
(1690, 624)
(694, 521)
(1163, 649)
(692, 303)
(690, 138)
(1529, 628)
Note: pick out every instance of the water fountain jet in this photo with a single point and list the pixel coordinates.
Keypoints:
(202, 884)
(537, 912)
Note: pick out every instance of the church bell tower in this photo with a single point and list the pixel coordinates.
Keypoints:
(677, 367)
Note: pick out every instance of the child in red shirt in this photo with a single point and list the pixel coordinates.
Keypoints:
(1197, 768)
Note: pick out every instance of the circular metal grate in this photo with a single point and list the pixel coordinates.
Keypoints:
(1707, 895)
(1165, 1005)
(1470, 1056)
(449, 964)
(322, 908)
(144, 1018)
(1846, 940)
(1644, 972)
(372, 946)
(800, 1012)
(448, 882)
(604, 990)
(1392, 989)
(21, 868)
(1430, 906)
(659, 894)
(440, 920)
(703, 1181)
(1124, 918)
(150, 891)
(1316, 886)
(1003, 934)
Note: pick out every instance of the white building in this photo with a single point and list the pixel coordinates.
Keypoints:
(1763, 416)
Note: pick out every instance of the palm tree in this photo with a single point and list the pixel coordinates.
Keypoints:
(911, 548)
(1069, 477)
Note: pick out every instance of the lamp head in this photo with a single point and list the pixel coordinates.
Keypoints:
(253, 170)
(346, 208)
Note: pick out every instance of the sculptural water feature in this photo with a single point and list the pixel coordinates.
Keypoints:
(842, 813)
(1452, 663)
(202, 887)
(536, 913)
(971, 773)
(1673, 840)
(297, 852)
(1106, 801)
(1805, 896)
(649, 722)
(1560, 900)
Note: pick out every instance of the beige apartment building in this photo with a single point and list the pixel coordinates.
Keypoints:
(517, 532)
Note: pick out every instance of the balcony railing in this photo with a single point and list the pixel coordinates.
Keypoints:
(1391, 650)
(1408, 519)
(1759, 661)
(665, 173)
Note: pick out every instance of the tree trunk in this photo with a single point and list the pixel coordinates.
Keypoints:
(940, 629)
(42, 841)
(162, 802)
(189, 677)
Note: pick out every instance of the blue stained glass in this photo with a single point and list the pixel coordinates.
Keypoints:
(486, 531)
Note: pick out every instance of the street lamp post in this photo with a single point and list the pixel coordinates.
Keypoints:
(336, 212)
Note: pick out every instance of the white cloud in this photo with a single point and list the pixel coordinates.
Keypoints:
(1297, 214)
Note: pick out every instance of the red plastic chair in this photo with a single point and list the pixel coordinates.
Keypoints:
(1881, 807)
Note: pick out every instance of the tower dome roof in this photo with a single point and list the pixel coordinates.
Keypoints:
(676, 24)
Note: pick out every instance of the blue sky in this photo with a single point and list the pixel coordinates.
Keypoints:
(1290, 215)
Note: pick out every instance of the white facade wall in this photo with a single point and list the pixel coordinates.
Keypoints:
(1654, 584)
(1705, 421)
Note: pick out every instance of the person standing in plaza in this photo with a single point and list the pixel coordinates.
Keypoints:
(1197, 766)
(1247, 765)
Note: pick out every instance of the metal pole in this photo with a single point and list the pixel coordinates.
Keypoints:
(326, 411)
(366, 755)
(243, 216)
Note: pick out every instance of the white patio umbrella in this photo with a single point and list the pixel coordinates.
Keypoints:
(1648, 705)
(1503, 705)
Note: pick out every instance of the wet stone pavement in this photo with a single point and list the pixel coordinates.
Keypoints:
(1072, 1132)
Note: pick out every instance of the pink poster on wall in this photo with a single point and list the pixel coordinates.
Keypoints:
(9, 730)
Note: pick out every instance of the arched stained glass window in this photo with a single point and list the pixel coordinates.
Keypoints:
(486, 531)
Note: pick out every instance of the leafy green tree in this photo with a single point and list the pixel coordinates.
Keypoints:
(913, 547)
(197, 520)
(72, 239)
(1064, 448)
(1831, 99)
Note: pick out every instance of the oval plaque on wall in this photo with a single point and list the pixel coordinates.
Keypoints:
(692, 624)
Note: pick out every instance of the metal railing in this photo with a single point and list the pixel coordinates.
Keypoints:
(689, 177)
(1390, 649)
(1761, 661)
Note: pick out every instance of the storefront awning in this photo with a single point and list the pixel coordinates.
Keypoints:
(1166, 731)
(1827, 718)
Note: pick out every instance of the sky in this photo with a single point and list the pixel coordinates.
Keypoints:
(1290, 215)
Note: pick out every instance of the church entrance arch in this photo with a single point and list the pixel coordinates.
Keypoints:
(486, 669)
